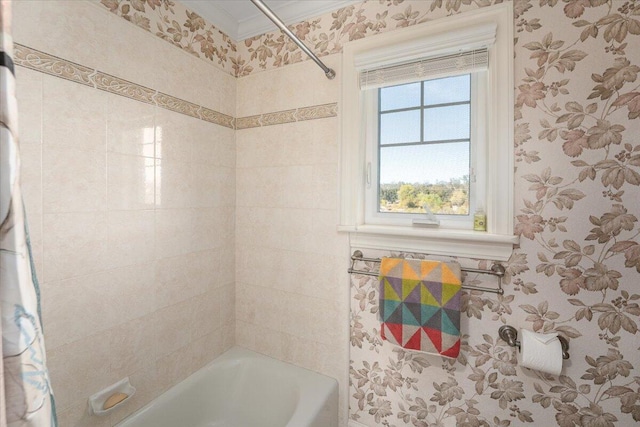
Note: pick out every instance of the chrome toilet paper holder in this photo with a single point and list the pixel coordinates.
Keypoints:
(509, 334)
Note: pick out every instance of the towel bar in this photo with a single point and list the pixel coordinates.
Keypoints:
(496, 270)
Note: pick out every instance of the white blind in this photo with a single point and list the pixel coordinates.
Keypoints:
(427, 68)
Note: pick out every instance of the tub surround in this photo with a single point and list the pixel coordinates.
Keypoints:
(130, 195)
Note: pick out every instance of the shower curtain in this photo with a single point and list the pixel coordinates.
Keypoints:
(26, 399)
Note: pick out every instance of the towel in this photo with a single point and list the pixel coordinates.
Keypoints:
(420, 305)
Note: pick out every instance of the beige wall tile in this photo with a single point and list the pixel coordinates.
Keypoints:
(174, 278)
(29, 93)
(297, 187)
(74, 244)
(258, 262)
(54, 27)
(130, 126)
(262, 146)
(78, 415)
(73, 180)
(175, 135)
(206, 315)
(228, 300)
(245, 334)
(131, 182)
(131, 237)
(173, 232)
(114, 306)
(173, 367)
(205, 349)
(146, 382)
(223, 262)
(132, 346)
(213, 145)
(209, 185)
(80, 369)
(137, 61)
(31, 177)
(211, 228)
(259, 187)
(96, 302)
(225, 86)
(174, 184)
(74, 116)
(285, 88)
(140, 250)
(172, 325)
(203, 272)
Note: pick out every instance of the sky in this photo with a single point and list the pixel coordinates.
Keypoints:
(432, 162)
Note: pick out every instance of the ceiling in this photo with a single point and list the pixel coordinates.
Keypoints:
(241, 19)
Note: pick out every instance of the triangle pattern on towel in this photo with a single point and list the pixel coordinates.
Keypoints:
(420, 305)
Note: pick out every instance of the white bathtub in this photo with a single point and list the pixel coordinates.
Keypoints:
(244, 389)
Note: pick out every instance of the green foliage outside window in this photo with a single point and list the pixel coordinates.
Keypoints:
(443, 198)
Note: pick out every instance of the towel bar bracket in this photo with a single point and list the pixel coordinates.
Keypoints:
(497, 270)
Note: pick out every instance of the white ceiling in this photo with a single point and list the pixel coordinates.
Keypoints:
(241, 19)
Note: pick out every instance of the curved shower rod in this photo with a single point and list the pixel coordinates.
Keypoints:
(269, 14)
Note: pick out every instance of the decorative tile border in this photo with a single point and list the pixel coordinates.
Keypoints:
(288, 116)
(58, 67)
(178, 105)
(49, 64)
(122, 87)
(217, 118)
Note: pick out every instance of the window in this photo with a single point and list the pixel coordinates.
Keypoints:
(422, 149)
(427, 120)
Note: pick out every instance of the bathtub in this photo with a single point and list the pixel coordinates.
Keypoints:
(244, 389)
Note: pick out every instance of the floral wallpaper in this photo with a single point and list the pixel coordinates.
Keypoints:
(174, 23)
(577, 268)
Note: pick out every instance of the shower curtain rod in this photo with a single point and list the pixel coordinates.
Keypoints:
(269, 14)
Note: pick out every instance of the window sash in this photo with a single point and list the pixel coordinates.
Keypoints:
(476, 178)
(425, 69)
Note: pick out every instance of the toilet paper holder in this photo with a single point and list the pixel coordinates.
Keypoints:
(509, 334)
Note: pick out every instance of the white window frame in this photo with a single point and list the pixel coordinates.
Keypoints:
(477, 179)
(490, 27)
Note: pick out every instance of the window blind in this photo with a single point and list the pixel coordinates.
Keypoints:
(427, 68)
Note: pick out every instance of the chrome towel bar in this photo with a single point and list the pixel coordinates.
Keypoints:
(497, 270)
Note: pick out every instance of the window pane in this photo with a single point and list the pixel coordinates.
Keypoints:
(436, 174)
(449, 89)
(401, 96)
(400, 127)
(443, 123)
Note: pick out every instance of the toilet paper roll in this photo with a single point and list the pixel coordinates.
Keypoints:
(542, 352)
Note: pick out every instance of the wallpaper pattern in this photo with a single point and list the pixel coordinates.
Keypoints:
(577, 269)
(173, 22)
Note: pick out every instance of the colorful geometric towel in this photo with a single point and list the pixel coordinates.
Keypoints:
(420, 305)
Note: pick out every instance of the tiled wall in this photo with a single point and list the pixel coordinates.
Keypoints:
(131, 205)
(292, 289)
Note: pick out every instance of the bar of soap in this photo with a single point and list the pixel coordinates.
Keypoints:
(113, 400)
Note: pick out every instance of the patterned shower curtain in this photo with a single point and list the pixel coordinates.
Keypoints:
(26, 399)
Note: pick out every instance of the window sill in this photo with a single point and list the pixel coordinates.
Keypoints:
(435, 241)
